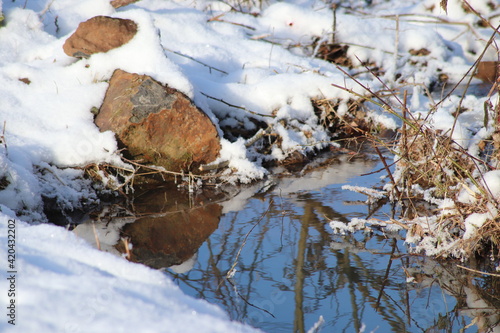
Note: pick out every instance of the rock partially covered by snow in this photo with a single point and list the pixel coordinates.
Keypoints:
(121, 3)
(99, 34)
(157, 124)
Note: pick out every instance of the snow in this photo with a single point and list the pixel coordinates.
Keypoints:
(489, 182)
(472, 224)
(260, 59)
(236, 153)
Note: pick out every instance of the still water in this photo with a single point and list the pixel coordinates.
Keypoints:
(266, 254)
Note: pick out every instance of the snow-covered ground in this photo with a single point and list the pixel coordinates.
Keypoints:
(260, 57)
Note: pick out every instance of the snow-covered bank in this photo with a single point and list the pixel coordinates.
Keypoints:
(62, 284)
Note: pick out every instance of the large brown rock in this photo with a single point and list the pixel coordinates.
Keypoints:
(99, 34)
(158, 125)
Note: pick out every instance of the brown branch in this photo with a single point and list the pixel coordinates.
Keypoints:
(389, 173)
(478, 272)
(237, 106)
(217, 19)
(195, 60)
(208, 167)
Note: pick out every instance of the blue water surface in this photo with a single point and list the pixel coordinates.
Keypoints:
(293, 274)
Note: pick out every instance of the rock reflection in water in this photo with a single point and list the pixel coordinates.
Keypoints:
(164, 227)
(172, 238)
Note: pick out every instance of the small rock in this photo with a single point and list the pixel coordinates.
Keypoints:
(99, 34)
(25, 80)
(158, 125)
(421, 52)
(121, 3)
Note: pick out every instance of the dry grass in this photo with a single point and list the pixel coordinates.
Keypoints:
(430, 159)
(430, 166)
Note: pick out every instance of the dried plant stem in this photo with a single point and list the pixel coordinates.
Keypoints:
(217, 18)
(404, 135)
(237, 106)
(126, 243)
(213, 166)
(478, 272)
(96, 236)
(383, 103)
(2, 138)
(161, 170)
(389, 173)
(195, 60)
(467, 74)
(333, 36)
(396, 45)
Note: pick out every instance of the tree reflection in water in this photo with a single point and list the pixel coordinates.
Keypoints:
(293, 267)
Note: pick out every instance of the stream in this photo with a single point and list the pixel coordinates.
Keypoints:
(266, 254)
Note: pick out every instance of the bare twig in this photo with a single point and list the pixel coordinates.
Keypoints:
(467, 74)
(232, 269)
(96, 236)
(196, 60)
(333, 38)
(2, 138)
(213, 166)
(260, 133)
(246, 301)
(126, 244)
(389, 173)
(161, 170)
(478, 272)
(217, 18)
(55, 175)
(237, 106)
(396, 45)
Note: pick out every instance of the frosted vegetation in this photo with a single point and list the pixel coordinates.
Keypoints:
(306, 72)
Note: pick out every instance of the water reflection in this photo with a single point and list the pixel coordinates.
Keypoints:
(290, 271)
(156, 228)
